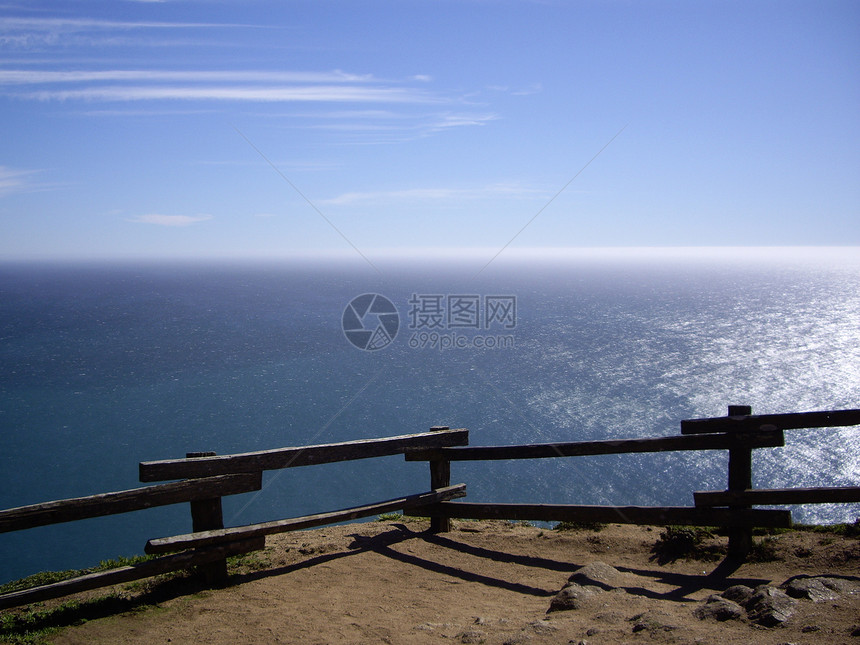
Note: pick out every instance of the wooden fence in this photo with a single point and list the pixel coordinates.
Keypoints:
(740, 433)
(206, 477)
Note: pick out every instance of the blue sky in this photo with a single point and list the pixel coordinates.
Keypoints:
(227, 129)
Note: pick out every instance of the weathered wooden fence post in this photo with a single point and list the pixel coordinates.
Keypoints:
(440, 476)
(206, 514)
(740, 479)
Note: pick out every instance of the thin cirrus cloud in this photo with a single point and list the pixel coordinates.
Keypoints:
(273, 94)
(434, 194)
(13, 180)
(88, 23)
(170, 220)
(458, 120)
(208, 85)
(39, 33)
(37, 77)
(35, 24)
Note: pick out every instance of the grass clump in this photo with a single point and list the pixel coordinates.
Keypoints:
(389, 517)
(676, 542)
(842, 530)
(579, 526)
(35, 626)
(764, 551)
(49, 577)
(245, 562)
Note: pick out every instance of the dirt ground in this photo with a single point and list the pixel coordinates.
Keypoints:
(483, 582)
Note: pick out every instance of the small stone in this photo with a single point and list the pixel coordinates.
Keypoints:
(653, 621)
(571, 597)
(592, 631)
(518, 639)
(542, 627)
(472, 636)
(808, 629)
(841, 585)
(810, 588)
(719, 608)
(738, 593)
(770, 606)
(596, 574)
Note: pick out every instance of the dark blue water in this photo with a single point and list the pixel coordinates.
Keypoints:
(104, 366)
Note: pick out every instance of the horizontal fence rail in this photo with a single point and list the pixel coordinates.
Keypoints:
(772, 439)
(78, 508)
(658, 515)
(157, 566)
(204, 538)
(297, 456)
(206, 477)
(754, 422)
(778, 496)
(740, 432)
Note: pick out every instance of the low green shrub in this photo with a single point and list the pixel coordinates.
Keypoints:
(389, 517)
(676, 542)
(764, 551)
(48, 577)
(579, 526)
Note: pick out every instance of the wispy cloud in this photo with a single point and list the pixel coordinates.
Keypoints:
(40, 77)
(458, 120)
(29, 33)
(391, 126)
(376, 110)
(79, 24)
(271, 94)
(434, 194)
(534, 88)
(14, 181)
(170, 220)
(258, 86)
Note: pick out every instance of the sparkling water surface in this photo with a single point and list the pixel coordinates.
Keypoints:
(104, 366)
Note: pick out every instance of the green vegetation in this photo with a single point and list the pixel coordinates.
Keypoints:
(35, 626)
(389, 517)
(48, 577)
(842, 530)
(676, 542)
(763, 551)
(256, 561)
(579, 526)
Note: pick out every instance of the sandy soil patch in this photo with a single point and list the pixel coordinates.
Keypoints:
(484, 582)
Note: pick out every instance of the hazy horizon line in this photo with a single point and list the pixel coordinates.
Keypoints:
(473, 254)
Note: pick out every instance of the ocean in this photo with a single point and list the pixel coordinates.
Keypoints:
(104, 365)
